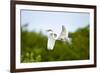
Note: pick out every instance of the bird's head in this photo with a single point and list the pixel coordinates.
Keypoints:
(52, 33)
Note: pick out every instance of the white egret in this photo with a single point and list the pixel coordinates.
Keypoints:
(51, 40)
(64, 35)
(53, 37)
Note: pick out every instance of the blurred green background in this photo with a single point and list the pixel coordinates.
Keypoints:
(34, 47)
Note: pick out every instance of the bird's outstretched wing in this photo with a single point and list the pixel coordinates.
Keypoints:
(51, 43)
(64, 33)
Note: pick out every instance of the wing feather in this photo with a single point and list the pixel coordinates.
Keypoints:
(51, 42)
(64, 32)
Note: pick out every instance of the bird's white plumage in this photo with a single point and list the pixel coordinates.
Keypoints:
(51, 43)
(51, 40)
(63, 34)
(52, 37)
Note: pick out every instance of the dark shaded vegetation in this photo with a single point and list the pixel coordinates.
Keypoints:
(34, 47)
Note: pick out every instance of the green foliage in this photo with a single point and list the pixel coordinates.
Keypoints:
(34, 47)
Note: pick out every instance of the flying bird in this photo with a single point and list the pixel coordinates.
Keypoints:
(64, 35)
(53, 37)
